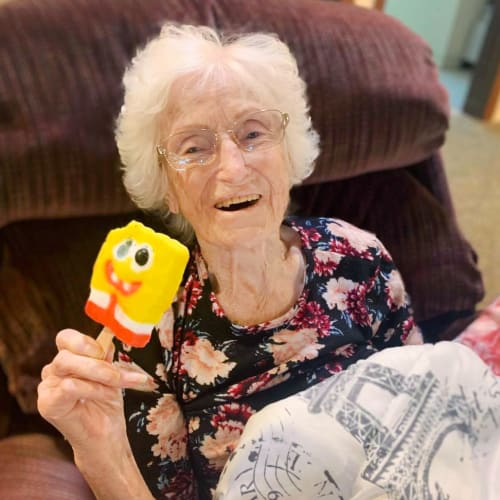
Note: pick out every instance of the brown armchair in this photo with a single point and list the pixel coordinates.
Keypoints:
(375, 100)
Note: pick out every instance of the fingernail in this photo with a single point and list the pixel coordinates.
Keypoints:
(133, 379)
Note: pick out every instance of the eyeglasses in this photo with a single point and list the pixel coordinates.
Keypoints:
(257, 131)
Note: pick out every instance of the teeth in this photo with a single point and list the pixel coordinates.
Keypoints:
(117, 281)
(237, 199)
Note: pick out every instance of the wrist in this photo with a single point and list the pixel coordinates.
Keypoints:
(112, 476)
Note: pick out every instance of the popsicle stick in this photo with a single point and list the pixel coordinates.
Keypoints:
(104, 339)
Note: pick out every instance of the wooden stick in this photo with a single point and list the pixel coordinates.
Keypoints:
(104, 339)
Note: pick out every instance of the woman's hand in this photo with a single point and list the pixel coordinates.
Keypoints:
(80, 393)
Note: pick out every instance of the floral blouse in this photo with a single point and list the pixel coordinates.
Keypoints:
(209, 376)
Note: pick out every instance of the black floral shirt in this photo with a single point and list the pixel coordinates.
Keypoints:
(210, 376)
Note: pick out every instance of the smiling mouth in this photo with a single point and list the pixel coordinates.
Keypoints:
(124, 287)
(238, 203)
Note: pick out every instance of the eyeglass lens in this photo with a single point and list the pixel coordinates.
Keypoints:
(256, 131)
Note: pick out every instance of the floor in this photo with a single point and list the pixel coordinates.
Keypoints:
(472, 159)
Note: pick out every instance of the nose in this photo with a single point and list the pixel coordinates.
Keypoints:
(231, 165)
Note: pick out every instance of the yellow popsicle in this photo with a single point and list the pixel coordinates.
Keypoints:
(135, 278)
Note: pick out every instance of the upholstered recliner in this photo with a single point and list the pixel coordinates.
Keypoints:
(375, 100)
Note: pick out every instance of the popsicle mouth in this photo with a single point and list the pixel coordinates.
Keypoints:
(124, 287)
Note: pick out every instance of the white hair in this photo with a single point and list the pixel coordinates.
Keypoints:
(258, 62)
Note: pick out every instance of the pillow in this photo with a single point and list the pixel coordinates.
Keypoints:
(374, 93)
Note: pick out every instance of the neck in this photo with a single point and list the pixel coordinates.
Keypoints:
(257, 281)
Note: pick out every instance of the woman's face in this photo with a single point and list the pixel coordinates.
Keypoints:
(211, 197)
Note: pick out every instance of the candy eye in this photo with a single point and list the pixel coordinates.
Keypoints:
(122, 250)
(143, 258)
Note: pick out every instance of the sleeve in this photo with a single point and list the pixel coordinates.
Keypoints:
(155, 424)
(393, 323)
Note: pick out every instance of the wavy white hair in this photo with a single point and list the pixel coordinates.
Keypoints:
(258, 62)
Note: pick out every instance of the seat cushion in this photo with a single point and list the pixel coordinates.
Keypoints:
(38, 467)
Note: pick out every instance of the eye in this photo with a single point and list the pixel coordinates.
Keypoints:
(191, 150)
(142, 258)
(191, 143)
(252, 135)
(122, 249)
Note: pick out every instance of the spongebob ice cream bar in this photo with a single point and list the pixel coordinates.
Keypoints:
(135, 278)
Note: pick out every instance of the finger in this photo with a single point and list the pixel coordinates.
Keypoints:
(69, 364)
(46, 371)
(137, 381)
(78, 343)
(57, 397)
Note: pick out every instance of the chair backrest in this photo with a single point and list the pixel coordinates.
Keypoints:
(374, 94)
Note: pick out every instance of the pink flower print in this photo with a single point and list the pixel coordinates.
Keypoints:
(232, 415)
(358, 239)
(182, 485)
(161, 372)
(203, 363)
(395, 291)
(229, 423)
(181, 300)
(409, 328)
(356, 305)
(251, 385)
(216, 308)
(346, 351)
(290, 345)
(194, 424)
(337, 291)
(333, 368)
(167, 423)
(309, 235)
(272, 378)
(166, 329)
(343, 247)
(218, 448)
(196, 291)
(238, 390)
(312, 315)
(325, 263)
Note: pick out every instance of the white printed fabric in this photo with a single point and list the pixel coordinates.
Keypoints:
(413, 422)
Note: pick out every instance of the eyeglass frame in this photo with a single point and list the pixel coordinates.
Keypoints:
(163, 153)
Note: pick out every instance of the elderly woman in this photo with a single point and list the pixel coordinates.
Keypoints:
(214, 132)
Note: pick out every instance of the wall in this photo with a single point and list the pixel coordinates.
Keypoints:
(467, 15)
(432, 20)
(444, 24)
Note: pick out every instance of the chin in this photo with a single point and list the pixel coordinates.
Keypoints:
(238, 236)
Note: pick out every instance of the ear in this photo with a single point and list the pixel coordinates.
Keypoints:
(171, 200)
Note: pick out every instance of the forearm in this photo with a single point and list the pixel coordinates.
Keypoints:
(115, 477)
